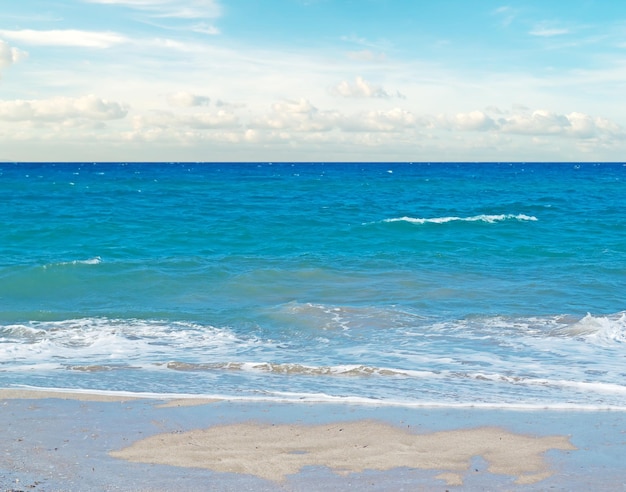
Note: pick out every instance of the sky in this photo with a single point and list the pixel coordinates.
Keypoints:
(312, 80)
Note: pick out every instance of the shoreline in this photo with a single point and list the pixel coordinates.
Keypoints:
(86, 441)
(31, 392)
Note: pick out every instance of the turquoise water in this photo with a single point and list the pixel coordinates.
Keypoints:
(442, 284)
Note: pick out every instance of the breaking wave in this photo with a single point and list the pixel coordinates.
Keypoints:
(96, 260)
(475, 218)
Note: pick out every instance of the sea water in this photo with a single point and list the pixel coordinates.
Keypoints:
(447, 284)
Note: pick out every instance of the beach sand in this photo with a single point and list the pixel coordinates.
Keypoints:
(79, 441)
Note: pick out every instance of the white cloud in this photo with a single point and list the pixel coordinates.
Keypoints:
(608, 127)
(204, 28)
(472, 121)
(299, 116)
(9, 55)
(580, 125)
(538, 123)
(67, 37)
(61, 108)
(546, 32)
(303, 117)
(185, 99)
(166, 120)
(183, 9)
(221, 119)
(360, 88)
(393, 120)
(584, 126)
(302, 106)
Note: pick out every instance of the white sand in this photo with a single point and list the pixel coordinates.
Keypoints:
(275, 451)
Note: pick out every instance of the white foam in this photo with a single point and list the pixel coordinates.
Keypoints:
(476, 218)
(597, 330)
(96, 260)
(601, 330)
(552, 359)
(103, 339)
(323, 398)
(588, 387)
(339, 370)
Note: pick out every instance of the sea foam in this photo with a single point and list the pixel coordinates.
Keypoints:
(475, 218)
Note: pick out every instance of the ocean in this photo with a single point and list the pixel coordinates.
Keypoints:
(444, 284)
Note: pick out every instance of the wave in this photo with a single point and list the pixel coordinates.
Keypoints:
(475, 218)
(386, 353)
(96, 260)
(316, 328)
(599, 330)
(321, 399)
(445, 377)
(586, 386)
(105, 338)
(605, 330)
(363, 371)
(300, 369)
(369, 371)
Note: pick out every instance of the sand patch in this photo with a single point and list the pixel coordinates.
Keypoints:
(186, 402)
(275, 451)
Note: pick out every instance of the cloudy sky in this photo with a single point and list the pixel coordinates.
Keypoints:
(312, 80)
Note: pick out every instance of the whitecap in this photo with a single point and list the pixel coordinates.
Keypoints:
(94, 340)
(475, 218)
(601, 330)
(96, 260)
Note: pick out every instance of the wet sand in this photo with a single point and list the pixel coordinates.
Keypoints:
(60, 441)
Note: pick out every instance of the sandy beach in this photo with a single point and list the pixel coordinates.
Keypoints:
(80, 441)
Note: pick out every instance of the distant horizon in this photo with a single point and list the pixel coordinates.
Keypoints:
(312, 80)
(325, 162)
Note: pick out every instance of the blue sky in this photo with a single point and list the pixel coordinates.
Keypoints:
(309, 80)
